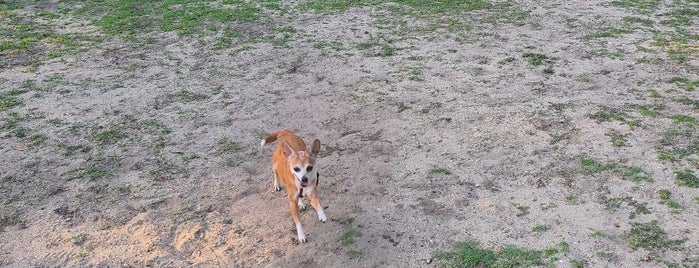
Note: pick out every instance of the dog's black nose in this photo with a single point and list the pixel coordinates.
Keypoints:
(304, 179)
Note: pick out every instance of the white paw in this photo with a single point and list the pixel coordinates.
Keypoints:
(321, 216)
(299, 231)
(301, 205)
(277, 188)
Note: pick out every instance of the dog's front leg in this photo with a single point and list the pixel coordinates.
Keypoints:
(316, 205)
(293, 204)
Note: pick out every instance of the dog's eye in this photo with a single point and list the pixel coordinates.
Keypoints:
(297, 169)
(309, 168)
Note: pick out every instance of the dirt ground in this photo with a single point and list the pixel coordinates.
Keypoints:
(491, 125)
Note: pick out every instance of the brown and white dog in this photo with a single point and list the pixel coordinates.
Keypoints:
(295, 166)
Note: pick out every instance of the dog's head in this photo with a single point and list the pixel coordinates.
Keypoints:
(302, 163)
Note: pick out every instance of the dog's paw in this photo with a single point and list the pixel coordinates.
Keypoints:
(301, 234)
(276, 187)
(321, 216)
(302, 206)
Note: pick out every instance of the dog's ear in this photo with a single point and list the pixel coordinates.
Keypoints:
(315, 149)
(286, 149)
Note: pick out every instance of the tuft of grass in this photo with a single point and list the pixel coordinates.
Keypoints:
(133, 17)
(107, 135)
(651, 237)
(402, 107)
(597, 234)
(470, 254)
(664, 194)
(686, 178)
(679, 118)
(685, 83)
(347, 238)
(618, 139)
(640, 6)
(535, 59)
(187, 96)
(353, 254)
(632, 173)
(541, 228)
(608, 33)
(616, 202)
(440, 170)
(649, 111)
(226, 145)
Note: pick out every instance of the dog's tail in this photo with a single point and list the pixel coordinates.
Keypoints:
(272, 137)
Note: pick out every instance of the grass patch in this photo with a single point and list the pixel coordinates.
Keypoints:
(440, 170)
(187, 96)
(470, 254)
(226, 145)
(640, 6)
(686, 119)
(107, 135)
(132, 17)
(651, 237)
(686, 178)
(418, 6)
(615, 203)
(632, 173)
(541, 228)
(347, 238)
(649, 111)
(535, 59)
(684, 83)
(606, 114)
(618, 139)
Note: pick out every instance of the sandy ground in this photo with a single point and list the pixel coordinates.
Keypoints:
(150, 153)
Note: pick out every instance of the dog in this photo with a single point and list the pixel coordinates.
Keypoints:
(295, 166)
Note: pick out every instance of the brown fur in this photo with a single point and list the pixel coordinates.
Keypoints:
(291, 152)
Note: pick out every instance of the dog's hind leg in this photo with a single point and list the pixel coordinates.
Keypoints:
(276, 185)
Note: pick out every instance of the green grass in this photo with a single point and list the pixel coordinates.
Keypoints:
(535, 59)
(639, 6)
(186, 17)
(440, 170)
(347, 238)
(470, 254)
(664, 194)
(608, 33)
(684, 83)
(27, 42)
(686, 178)
(607, 114)
(686, 119)
(187, 96)
(353, 254)
(651, 237)
(226, 145)
(632, 173)
(420, 6)
(107, 135)
(597, 234)
(541, 228)
(649, 111)
(615, 203)
(617, 139)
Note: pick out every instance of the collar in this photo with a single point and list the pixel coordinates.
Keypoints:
(301, 189)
